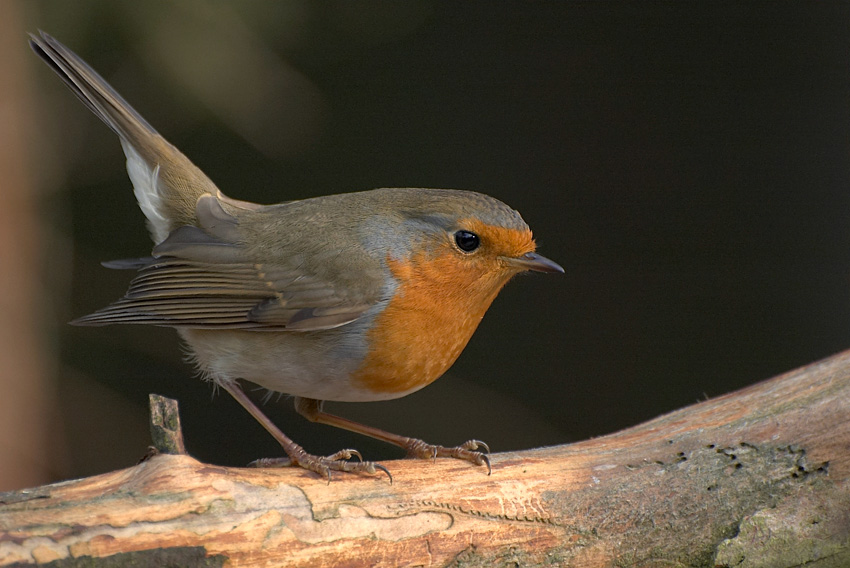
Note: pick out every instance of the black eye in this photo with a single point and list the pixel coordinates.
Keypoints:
(467, 241)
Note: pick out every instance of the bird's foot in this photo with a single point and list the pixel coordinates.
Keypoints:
(466, 451)
(324, 465)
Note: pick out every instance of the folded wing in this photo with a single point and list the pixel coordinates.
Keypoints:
(202, 277)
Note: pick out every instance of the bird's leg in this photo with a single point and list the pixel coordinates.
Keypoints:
(312, 410)
(297, 456)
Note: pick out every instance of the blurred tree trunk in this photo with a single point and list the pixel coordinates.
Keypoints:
(28, 429)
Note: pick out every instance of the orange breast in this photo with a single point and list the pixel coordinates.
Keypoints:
(439, 303)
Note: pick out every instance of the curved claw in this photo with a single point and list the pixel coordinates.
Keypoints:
(385, 470)
(475, 444)
(356, 454)
(486, 459)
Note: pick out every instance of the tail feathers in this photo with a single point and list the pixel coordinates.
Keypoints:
(165, 182)
(91, 88)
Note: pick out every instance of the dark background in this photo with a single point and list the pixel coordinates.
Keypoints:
(687, 163)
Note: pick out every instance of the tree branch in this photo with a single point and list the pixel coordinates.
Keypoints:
(759, 477)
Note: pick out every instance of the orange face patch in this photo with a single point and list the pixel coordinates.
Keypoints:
(440, 300)
(499, 241)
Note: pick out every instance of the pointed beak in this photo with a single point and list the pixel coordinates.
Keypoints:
(535, 262)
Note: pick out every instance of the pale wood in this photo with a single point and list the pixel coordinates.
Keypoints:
(759, 477)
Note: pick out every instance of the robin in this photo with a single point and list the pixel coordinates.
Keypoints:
(354, 297)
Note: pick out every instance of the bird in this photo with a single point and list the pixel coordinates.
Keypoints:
(354, 297)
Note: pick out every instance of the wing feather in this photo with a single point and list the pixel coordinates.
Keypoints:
(202, 277)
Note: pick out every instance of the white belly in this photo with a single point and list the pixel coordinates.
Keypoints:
(316, 364)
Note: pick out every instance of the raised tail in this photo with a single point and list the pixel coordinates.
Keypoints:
(167, 185)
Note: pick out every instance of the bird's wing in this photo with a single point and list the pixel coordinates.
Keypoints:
(203, 277)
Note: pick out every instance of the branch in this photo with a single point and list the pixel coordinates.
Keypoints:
(759, 477)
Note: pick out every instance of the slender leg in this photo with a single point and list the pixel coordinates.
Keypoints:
(297, 456)
(312, 410)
